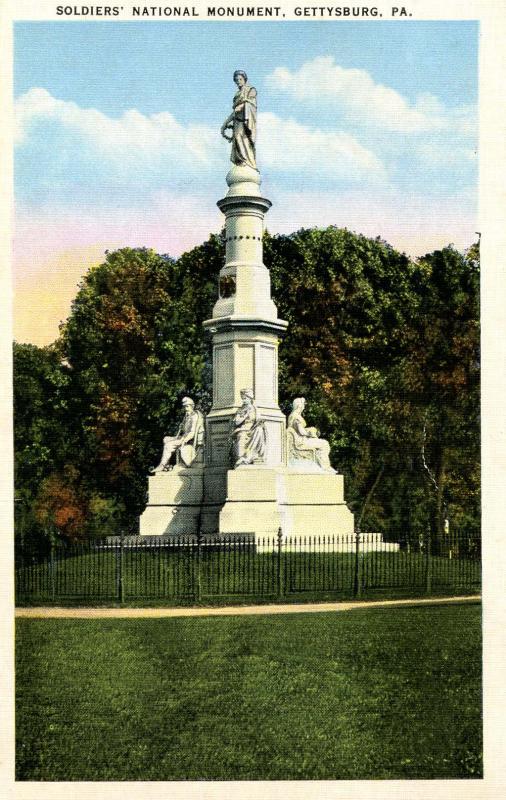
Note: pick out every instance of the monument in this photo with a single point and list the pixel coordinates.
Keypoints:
(245, 471)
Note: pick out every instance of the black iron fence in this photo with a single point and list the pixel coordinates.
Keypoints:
(193, 569)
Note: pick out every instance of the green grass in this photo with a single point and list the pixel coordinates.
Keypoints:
(365, 694)
(170, 576)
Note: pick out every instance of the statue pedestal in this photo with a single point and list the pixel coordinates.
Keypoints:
(174, 502)
(303, 504)
(255, 500)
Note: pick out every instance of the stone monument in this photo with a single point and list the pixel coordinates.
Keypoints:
(250, 473)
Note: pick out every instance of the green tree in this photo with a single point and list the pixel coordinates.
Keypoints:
(134, 345)
(441, 377)
(349, 301)
(384, 349)
(42, 441)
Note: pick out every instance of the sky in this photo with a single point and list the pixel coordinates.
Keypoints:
(366, 125)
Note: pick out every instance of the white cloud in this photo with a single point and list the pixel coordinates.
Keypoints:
(439, 155)
(360, 98)
(155, 149)
(287, 146)
(133, 137)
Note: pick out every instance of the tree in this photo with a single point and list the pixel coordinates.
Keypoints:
(66, 508)
(42, 441)
(441, 377)
(349, 301)
(384, 349)
(134, 345)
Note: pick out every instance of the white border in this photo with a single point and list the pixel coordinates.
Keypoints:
(492, 17)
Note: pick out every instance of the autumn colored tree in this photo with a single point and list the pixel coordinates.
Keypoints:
(134, 347)
(385, 349)
(59, 507)
(66, 508)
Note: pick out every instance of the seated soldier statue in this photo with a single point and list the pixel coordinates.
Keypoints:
(186, 443)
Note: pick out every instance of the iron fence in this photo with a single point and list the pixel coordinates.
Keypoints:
(193, 569)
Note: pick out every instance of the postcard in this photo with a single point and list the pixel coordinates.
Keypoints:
(252, 413)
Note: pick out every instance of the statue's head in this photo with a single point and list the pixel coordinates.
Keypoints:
(247, 394)
(298, 404)
(240, 77)
(188, 404)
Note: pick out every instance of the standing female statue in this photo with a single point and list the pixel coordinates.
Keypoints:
(242, 122)
(248, 432)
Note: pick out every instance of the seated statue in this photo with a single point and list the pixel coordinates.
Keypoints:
(188, 440)
(248, 432)
(303, 442)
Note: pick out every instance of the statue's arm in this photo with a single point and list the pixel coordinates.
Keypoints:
(239, 419)
(250, 101)
(299, 425)
(190, 435)
(228, 122)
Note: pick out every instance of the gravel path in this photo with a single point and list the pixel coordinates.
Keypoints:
(292, 608)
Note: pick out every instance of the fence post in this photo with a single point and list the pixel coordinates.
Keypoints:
(198, 583)
(121, 586)
(280, 571)
(356, 578)
(428, 565)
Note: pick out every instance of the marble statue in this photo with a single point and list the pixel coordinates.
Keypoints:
(248, 432)
(242, 122)
(303, 442)
(187, 441)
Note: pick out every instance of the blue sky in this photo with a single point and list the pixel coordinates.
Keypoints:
(368, 125)
(155, 66)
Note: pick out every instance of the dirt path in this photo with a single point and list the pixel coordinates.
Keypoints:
(292, 608)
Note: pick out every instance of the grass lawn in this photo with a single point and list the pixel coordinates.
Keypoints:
(383, 693)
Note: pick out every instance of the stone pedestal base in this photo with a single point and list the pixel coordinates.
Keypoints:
(174, 502)
(262, 500)
(255, 500)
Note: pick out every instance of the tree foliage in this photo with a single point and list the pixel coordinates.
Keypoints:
(385, 349)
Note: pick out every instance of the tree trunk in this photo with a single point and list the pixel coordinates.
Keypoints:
(438, 527)
(368, 497)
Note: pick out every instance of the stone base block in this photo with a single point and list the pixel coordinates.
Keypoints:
(169, 520)
(215, 494)
(262, 500)
(174, 503)
(251, 500)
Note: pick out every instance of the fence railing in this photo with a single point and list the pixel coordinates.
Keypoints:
(190, 568)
